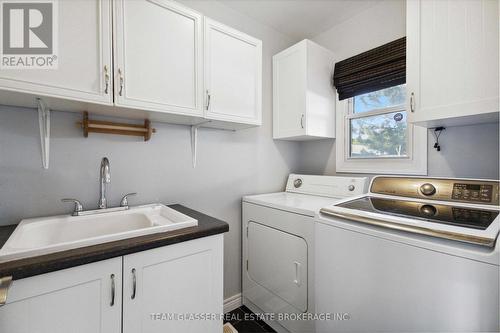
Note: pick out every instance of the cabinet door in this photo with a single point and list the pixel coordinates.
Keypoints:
(289, 92)
(163, 284)
(83, 47)
(77, 300)
(158, 56)
(233, 75)
(452, 58)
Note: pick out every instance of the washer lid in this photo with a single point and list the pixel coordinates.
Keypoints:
(386, 213)
(467, 217)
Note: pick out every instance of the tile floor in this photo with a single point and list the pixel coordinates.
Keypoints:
(241, 319)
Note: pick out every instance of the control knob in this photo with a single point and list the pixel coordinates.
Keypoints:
(427, 189)
(428, 210)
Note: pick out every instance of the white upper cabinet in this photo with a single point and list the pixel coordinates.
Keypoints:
(84, 50)
(303, 97)
(82, 299)
(233, 75)
(452, 61)
(141, 59)
(158, 56)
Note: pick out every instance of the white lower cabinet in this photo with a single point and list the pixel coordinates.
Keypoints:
(176, 288)
(163, 284)
(77, 300)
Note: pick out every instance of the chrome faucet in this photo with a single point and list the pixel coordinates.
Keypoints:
(105, 178)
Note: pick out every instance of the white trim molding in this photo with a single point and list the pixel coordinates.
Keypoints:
(232, 303)
(414, 164)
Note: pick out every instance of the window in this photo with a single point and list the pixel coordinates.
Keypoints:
(378, 125)
(372, 130)
(374, 136)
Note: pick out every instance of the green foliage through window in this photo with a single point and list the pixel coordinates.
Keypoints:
(385, 133)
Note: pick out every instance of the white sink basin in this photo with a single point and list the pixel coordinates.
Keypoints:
(57, 233)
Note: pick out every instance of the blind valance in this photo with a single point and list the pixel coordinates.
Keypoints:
(376, 69)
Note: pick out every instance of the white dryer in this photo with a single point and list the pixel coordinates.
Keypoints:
(278, 247)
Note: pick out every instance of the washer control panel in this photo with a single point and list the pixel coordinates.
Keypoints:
(473, 192)
(457, 190)
(427, 189)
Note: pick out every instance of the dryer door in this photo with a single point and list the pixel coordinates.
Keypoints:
(277, 261)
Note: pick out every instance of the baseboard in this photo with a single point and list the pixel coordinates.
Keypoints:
(232, 303)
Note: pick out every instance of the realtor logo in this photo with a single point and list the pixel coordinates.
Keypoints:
(29, 36)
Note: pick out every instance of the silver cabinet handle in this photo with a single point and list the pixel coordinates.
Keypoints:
(412, 102)
(112, 290)
(106, 79)
(120, 75)
(124, 201)
(302, 121)
(208, 100)
(134, 284)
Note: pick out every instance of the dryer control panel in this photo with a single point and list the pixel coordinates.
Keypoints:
(327, 186)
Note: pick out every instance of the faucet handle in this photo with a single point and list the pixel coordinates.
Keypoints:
(124, 201)
(78, 206)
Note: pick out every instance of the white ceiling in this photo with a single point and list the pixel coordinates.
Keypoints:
(300, 18)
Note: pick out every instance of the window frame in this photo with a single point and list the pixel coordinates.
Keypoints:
(413, 163)
(375, 112)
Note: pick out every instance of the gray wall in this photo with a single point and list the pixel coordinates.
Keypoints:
(466, 151)
(230, 164)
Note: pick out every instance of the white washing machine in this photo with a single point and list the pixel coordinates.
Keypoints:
(412, 255)
(278, 247)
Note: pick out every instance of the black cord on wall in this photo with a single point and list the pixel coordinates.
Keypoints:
(437, 133)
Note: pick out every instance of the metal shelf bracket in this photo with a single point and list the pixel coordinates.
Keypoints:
(44, 125)
(194, 140)
(194, 137)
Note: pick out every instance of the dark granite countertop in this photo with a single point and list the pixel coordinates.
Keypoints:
(26, 267)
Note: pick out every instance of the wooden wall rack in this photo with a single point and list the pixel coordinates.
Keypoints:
(108, 127)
